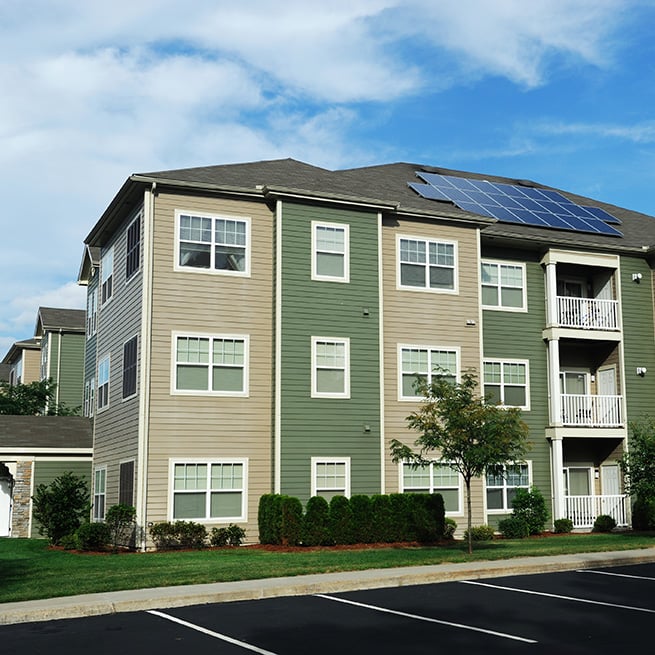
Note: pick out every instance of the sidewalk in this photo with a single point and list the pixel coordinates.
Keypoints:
(219, 592)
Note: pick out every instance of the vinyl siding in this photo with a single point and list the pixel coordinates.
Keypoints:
(70, 383)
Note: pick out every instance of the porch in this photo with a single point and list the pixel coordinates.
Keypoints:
(587, 313)
(587, 410)
(583, 510)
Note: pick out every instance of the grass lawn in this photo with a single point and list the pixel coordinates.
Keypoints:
(29, 569)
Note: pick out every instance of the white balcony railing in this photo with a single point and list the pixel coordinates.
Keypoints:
(583, 510)
(591, 411)
(587, 313)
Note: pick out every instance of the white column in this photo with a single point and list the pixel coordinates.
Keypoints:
(557, 474)
(554, 395)
(551, 295)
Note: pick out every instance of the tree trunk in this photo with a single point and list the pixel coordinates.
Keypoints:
(467, 482)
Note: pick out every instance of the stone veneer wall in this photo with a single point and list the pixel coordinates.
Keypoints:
(22, 499)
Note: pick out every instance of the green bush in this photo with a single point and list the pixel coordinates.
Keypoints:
(513, 527)
(361, 508)
(427, 517)
(120, 520)
(93, 536)
(400, 526)
(563, 526)
(290, 520)
(480, 533)
(179, 534)
(232, 535)
(269, 519)
(604, 523)
(450, 526)
(316, 523)
(61, 506)
(530, 506)
(643, 514)
(380, 519)
(341, 520)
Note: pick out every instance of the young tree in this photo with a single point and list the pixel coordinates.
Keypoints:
(32, 399)
(459, 428)
(638, 464)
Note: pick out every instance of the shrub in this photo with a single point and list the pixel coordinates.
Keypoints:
(232, 535)
(341, 520)
(93, 536)
(61, 506)
(604, 523)
(643, 514)
(427, 517)
(480, 533)
(180, 534)
(513, 527)
(361, 508)
(120, 521)
(563, 526)
(530, 506)
(290, 509)
(400, 510)
(315, 524)
(380, 519)
(450, 526)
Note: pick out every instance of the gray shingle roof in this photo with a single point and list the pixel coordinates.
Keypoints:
(34, 433)
(53, 318)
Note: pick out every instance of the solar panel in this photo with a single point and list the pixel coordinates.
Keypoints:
(511, 203)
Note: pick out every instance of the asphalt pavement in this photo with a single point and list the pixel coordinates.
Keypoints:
(180, 596)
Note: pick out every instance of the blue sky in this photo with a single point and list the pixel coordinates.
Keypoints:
(558, 91)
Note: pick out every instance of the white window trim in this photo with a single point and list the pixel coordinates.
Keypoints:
(242, 518)
(422, 346)
(211, 271)
(120, 463)
(96, 470)
(89, 397)
(432, 488)
(104, 407)
(506, 510)
(92, 313)
(330, 460)
(346, 252)
(428, 289)
(524, 289)
(346, 391)
(526, 363)
(110, 254)
(245, 393)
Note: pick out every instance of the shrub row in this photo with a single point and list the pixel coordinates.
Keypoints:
(360, 519)
(172, 535)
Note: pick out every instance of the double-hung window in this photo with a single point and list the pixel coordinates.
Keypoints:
(130, 350)
(89, 396)
(91, 313)
(126, 483)
(507, 383)
(330, 476)
(218, 244)
(434, 478)
(103, 382)
(503, 286)
(133, 252)
(330, 368)
(99, 493)
(427, 264)
(206, 490)
(215, 365)
(425, 363)
(330, 252)
(107, 276)
(502, 481)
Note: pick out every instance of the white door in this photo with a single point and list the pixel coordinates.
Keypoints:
(607, 381)
(611, 488)
(609, 405)
(5, 507)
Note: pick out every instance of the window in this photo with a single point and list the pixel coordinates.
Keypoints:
(216, 365)
(99, 492)
(126, 483)
(330, 477)
(133, 252)
(129, 367)
(107, 276)
(103, 383)
(210, 490)
(330, 252)
(434, 478)
(91, 313)
(503, 286)
(425, 363)
(330, 367)
(213, 243)
(89, 397)
(502, 482)
(425, 264)
(506, 383)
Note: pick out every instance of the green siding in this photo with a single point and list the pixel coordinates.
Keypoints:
(71, 376)
(325, 427)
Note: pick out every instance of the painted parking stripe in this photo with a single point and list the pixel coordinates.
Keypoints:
(616, 575)
(427, 619)
(211, 633)
(558, 596)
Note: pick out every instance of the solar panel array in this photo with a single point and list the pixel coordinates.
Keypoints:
(511, 203)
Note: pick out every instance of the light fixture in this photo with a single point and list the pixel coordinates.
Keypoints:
(636, 277)
(641, 371)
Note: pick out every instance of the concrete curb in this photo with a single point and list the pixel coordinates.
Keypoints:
(220, 592)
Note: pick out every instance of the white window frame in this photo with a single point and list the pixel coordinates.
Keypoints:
(241, 518)
(92, 313)
(345, 253)
(244, 393)
(456, 350)
(432, 487)
(503, 384)
(89, 397)
(506, 509)
(107, 359)
(107, 276)
(345, 341)
(133, 481)
(427, 288)
(211, 270)
(499, 264)
(316, 489)
(99, 472)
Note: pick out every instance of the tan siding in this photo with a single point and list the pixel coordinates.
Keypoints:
(31, 366)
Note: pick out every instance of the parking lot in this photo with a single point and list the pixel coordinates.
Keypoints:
(596, 611)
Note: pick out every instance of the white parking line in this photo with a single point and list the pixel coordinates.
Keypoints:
(573, 598)
(616, 575)
(211, 633)
(428, 619)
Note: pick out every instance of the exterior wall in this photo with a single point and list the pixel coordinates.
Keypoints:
(430, 319)
(204, 427)
(22, 499)
(329, 427)
(66, 366)
(31, 366)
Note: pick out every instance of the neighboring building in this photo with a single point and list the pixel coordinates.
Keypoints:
(4, 372)
(35, 450)
(258, 327)
(24, 361)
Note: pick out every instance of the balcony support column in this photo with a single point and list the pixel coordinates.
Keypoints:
(551, 295)
(557, 475)
(554, 395)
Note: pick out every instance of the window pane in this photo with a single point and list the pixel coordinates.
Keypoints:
(515, 396)
(195, 254)
(227, 379)
(189, 506)
(412, 275)
(414, 360)
(492, 394)
(409, 384)
(494, 499)
(412, 251)
(416, 476)
(489, 274)
(192, 378)
(444, 476)
(330, 265)
(511, 297)
(225, 504)
(450, 499)
(192, 350)
(230, 258)
(227, 476)
(442, 278)
(511, 276)
(442, 254)
(230, 232)
(330, 380)
(330, 238)
(490, 296)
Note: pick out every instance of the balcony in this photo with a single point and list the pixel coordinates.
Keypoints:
(587, 313)
(583, 510)
(584, 410)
